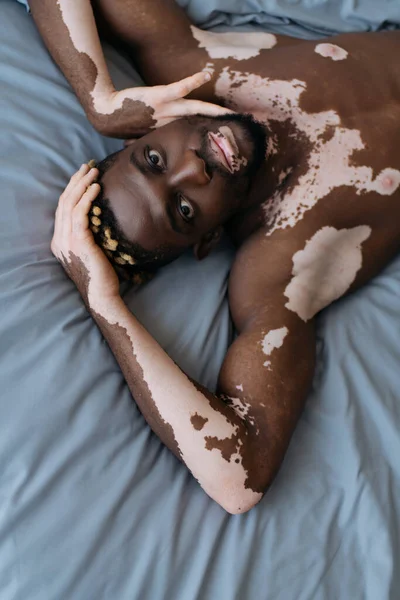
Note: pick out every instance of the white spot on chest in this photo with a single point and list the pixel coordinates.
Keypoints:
(240, 46)
(331, 51)
(325, 269)
(329, 162)
(272, 340)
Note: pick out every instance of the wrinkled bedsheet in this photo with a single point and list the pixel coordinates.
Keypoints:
(92, 506)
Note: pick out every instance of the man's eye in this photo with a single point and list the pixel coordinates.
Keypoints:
(155, 159)
(185, 208)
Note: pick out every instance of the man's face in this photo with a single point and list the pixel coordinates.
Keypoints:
(173, 187)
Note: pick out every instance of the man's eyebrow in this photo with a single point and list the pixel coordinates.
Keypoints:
(134, 161)
(173, 222)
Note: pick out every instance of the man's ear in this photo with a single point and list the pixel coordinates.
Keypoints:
(207, 243)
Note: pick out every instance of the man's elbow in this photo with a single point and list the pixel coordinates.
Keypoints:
(238, 502)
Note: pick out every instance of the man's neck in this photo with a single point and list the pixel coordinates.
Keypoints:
(284, 155)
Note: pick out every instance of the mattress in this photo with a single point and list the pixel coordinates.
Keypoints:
(92, 506)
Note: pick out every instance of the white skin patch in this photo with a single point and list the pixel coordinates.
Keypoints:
(240, 387)
(238, 161)
(329, 161)
(325, 269)
(240, 46)
(283, 174)
(272, 340)
(331, 51)
(242, 408)
(209, 68)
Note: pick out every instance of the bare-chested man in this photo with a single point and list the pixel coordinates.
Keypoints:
(321, 218)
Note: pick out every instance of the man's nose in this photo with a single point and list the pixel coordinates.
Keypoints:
(190, 169)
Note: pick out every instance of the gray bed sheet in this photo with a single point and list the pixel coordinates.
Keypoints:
(297, 18)
(92, 506)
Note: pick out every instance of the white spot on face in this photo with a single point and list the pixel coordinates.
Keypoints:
(238, 161)
(331, 51)
(240, 387)
(272, 340)
(240, 46)
(325, 269)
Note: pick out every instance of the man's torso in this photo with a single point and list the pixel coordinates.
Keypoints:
(326, 215)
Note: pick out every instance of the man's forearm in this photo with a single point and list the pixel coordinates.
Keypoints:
(196, 425)
(70, 33)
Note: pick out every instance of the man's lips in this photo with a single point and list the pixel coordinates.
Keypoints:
(223, 149)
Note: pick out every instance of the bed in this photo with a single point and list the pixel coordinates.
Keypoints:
(92, 506)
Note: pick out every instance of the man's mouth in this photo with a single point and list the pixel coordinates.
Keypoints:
(223, 149)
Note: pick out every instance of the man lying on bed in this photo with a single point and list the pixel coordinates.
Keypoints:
(315, 221)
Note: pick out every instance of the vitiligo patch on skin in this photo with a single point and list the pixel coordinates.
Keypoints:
(240, 46)
(329, 163)
(237, 160)
(209, 68)
(241, 408)
(331, 51)
(325, 269)
(273, 340)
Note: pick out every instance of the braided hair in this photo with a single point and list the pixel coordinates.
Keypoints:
(108, 235)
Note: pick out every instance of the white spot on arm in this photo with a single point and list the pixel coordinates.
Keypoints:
(272, 340)
(325, 269)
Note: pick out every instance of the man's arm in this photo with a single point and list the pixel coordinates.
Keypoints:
(233, 442)
(69, 30)
(158, 37)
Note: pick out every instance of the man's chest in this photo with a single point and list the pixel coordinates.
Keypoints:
(330, 218)
(332, 127)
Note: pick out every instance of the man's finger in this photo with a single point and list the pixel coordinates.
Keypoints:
(76, 177)
(194, 107)
(182, 88)
(80, 217)
(80, 188)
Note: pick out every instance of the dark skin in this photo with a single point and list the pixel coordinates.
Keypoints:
(346, 222)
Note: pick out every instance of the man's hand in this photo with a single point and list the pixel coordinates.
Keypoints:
(73, 243)
(133, 112)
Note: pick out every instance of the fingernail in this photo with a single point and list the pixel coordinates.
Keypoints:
(207, 76)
